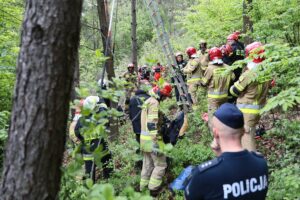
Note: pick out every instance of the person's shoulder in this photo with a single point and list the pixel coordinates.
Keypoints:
(257, 155)
(209, 165)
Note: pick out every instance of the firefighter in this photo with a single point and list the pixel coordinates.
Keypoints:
(181, 63)
(251, 94)
(154, 162)
(217, 82)
(157, 71)
(235, 51)
(203, 55)
(193, 72)
(131, 78)
(91, 138)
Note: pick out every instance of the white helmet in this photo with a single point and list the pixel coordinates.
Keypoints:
(105, 83)
(90, 102)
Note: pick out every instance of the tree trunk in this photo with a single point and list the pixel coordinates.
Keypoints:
(247, 23)
(102, 8)
(76, 75)
(133, 35)
(49, 43)
(104, 25)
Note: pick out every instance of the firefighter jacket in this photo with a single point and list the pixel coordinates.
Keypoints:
(251, 92)
(217, 81)
(193, 70)
(89, 135)
(135, 109)
(204, 60)
(131, 78)
(150, 131)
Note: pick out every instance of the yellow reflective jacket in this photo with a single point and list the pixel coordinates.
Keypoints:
(150, 125)
(251, 92)
(131, 78)
(193, 70)
(204, 60)
(217, 81)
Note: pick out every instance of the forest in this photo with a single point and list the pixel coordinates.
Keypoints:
(53, 54)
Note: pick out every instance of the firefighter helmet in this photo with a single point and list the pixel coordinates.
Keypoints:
(215, 53)
(233, 36)
(254, 50)
(191, 51)
(178, 54)
(202, 41)
(166, 90)
(90, 102)
(130, 65)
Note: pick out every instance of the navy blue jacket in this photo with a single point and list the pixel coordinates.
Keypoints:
(135, 110)
(233, 175)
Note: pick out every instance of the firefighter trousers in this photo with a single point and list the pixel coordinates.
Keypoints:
(248, 139)
(154, 167)
(213, 105)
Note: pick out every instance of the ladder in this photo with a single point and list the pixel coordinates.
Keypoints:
(164, 41)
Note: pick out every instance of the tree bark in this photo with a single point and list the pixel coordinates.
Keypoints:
(104, 25)
(247, 23)
(103, 14)
(133, 35)
(49, 44)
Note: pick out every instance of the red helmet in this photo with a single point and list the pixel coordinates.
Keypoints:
(166, 90)
(233, 36)
(226, 49)
(130, 65)
(191, 51)
(253, 50)
(156, 76)
(215, 53)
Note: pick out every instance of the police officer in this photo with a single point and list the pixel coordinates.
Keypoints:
(251, 94)
(194, 73)
(216, 81)
(236, 173)
(154, 162)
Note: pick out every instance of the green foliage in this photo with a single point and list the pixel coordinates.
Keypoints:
(277, 20)
(284, 178)
(4, 118)
(283, 64)
(285, 183)
(10, 23)
(7, 80)
(212, 20)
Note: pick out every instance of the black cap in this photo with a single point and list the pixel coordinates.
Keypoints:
(230, 115)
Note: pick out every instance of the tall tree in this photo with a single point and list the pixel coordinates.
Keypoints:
(103, 13)
(49, 44)
(106, 39)
(247, 23)
(133, 35)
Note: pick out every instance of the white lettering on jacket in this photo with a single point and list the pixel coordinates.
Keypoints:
(243, 187)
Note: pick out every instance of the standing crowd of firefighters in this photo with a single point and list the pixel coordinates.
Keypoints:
(234, 98)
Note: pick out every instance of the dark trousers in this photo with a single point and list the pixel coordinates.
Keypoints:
(90, 165)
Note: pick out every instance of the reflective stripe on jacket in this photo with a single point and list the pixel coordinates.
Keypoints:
(251, 92)
(217, 81)
(193, 70)
(149, 120)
